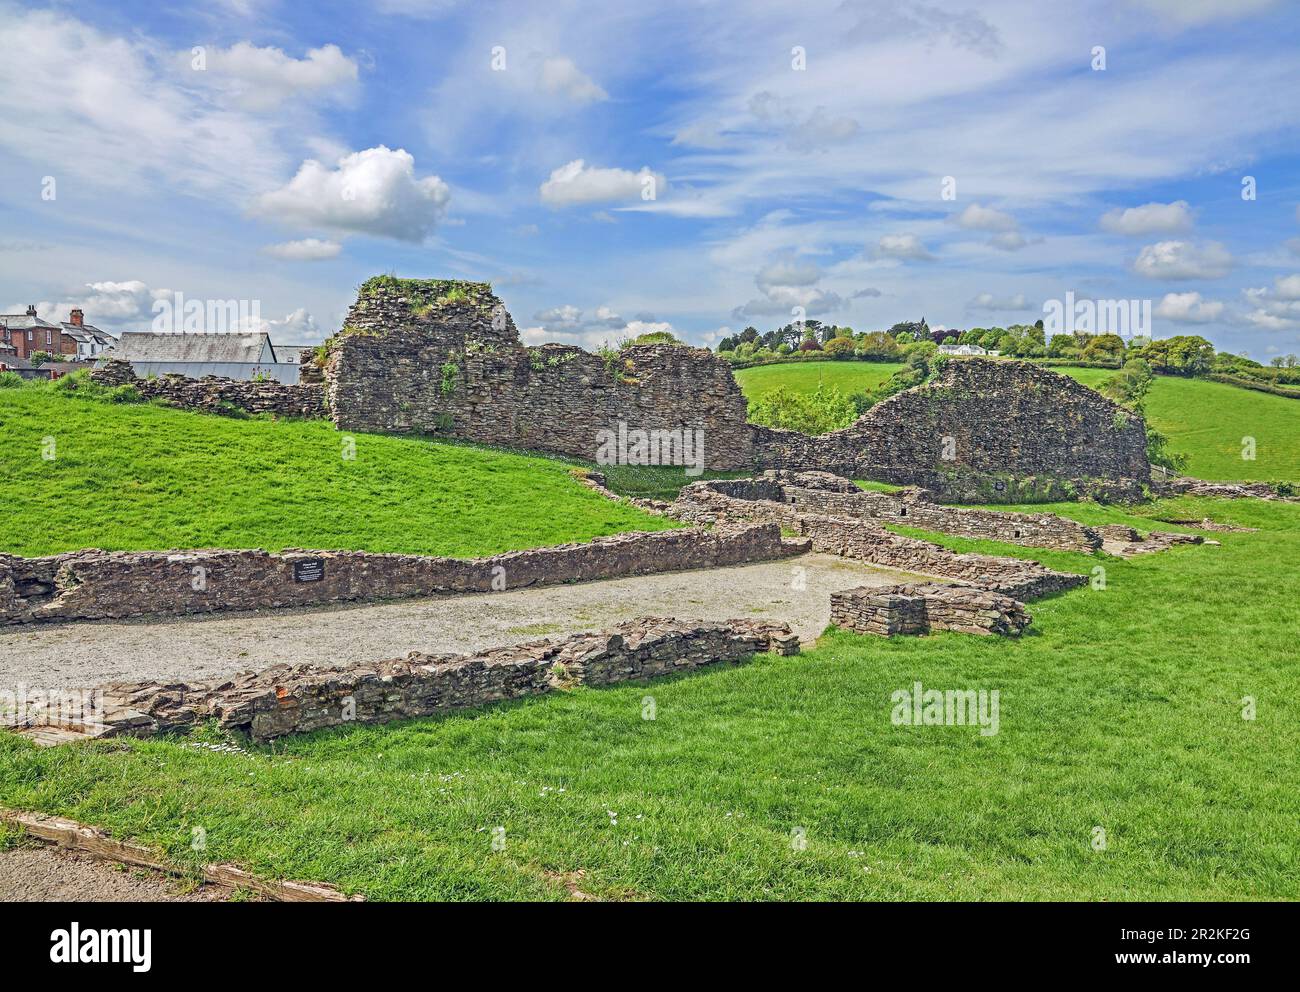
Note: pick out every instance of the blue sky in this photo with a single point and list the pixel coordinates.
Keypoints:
(307, 147)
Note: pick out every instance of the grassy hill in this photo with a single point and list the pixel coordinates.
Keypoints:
(139, 477)
(1139, 732)
(805, 377)
(1204, 420)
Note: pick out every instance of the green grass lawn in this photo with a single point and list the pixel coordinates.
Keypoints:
(805, 377)
(1121, 709)
(1207, 421)
(1204, 420)
(137, 476)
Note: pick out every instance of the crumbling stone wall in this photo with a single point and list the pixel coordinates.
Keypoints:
(923, 608)
(458, 368)
(288, 699)
(866, 539)
(95, 585)
(827, 494)
(983, 430)
(215, 394)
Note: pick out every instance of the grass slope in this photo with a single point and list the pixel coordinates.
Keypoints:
(805, 377)
(1139, 732)
(1205, 420)
(133, 477)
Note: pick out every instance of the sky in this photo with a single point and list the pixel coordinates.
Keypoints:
(615, 168)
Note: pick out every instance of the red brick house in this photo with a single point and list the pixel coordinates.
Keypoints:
(28, 333)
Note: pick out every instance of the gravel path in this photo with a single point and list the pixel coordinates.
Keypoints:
(47, 874)
(87, 654)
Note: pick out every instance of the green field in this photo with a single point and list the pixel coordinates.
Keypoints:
(141, 477)
(805, 377)
(1204, 420)
(1120, 710)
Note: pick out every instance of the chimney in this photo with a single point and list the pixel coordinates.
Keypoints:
(31, 309)
(76, 318)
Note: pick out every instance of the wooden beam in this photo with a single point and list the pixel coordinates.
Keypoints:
(95, 842)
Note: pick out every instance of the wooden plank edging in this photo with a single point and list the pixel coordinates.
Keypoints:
(97, 843)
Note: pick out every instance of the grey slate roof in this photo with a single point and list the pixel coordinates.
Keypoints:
(149, 346)
(24, 321)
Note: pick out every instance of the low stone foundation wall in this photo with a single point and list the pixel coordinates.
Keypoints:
(298, 699)
(1187, 486)
(824, 493)
(867, 540)
(922, 609)
(96, 585)
(213, 394)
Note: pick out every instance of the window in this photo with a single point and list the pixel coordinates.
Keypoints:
(47, 337)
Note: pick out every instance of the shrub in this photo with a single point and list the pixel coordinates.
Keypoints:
(839, 348)
(824, 410)
(10, 380)
(448, 385)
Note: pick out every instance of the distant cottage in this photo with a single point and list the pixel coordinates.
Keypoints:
(964, 350)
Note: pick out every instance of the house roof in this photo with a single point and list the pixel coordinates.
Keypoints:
(87, 332)
(149, 346)
(24, 321)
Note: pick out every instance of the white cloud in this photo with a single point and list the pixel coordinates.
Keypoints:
(978, 218)
(1183, 260)
(1287, 287)
(1276, 309)
(298, 327)
(1188, 308)
(575, 183)
(1009, 240)
(263, 78)
(560, 75)
(306, 250)
(987, 301)
(803, 131)
(108, 304)
(788, 284)
(902, 246)
(114, 115)
(1150, 218)
(371, 192)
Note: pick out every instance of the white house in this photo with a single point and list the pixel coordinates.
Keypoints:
(963, 349)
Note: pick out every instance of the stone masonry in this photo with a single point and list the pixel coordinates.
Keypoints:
(923, 609)
(297, 699)
(831, 495)
(983, 430)
(865, 538)
(215, 394)
(96, 585)
(458, 368)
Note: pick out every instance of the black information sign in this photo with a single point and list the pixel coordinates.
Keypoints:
(309, 570)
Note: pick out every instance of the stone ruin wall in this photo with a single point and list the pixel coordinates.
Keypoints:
(918, 609)
(821, 492)
(96, 585)
(288, 699)
(1018, 432)
(460, 370)
(216, 394)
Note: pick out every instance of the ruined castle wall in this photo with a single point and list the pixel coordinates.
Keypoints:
(461, 371)
(216, 394)
(982, 431)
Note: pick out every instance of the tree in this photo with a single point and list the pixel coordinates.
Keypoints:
(1061, 346)
(839, 347)
(1190, 354)
(826, 409)
(1104, 347)
(877, 345)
